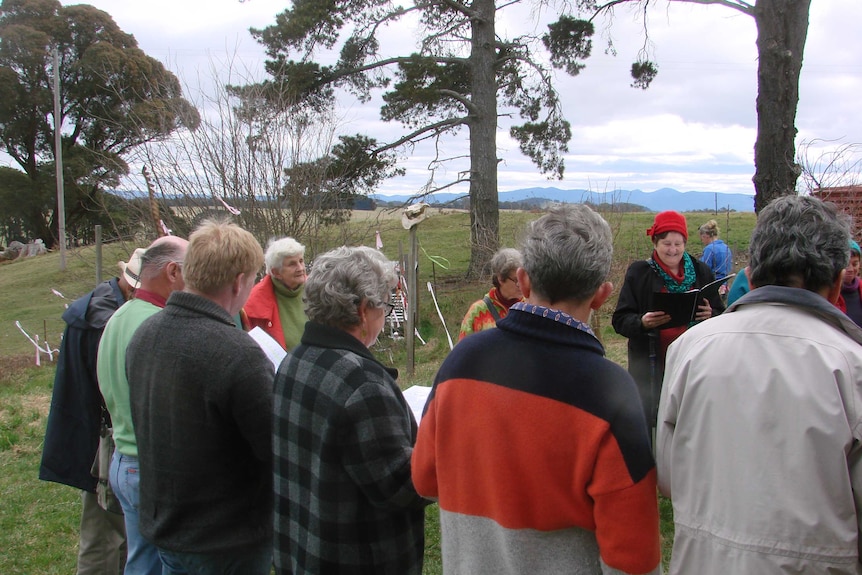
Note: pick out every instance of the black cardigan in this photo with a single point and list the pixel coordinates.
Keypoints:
(639, 284)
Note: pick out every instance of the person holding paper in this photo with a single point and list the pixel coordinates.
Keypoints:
(533, 442)
(670, 269)
(343, 433)
(201, 399)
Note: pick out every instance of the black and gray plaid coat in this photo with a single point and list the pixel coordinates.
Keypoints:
(343, 436)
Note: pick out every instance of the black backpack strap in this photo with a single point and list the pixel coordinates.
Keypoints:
(491, 308)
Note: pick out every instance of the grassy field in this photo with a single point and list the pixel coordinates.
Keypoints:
(39, 520)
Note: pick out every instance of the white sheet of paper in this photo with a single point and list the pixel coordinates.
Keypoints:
(270, 347)
(417, 396)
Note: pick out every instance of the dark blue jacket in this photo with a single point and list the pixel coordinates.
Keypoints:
(72, 434)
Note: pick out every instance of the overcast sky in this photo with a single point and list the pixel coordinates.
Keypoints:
(693, 129)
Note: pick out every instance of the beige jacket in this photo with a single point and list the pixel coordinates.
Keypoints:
(759, 440)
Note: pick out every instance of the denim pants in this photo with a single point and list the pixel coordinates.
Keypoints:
(143, 557)
(251, 562)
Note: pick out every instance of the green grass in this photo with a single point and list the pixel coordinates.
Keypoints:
(39, 520)
(27, 297)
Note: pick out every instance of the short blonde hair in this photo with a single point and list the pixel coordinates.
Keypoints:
(219, 251)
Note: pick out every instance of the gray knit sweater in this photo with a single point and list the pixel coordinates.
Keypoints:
(201, 395)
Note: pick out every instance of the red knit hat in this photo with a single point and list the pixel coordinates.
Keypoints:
(669, 221)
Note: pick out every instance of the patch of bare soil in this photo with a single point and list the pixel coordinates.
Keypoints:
(11, 365)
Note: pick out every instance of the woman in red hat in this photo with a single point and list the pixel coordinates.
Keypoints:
(669, 269)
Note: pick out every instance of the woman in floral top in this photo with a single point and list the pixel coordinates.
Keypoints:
(485, 313)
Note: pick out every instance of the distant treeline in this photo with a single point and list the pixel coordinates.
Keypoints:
(354, 202)
(528, 205)
(365, 203)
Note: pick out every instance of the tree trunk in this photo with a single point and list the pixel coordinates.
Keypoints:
(782, 28)
(484, 203)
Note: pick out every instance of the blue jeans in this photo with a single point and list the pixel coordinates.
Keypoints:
(252, 562)
(143, 557)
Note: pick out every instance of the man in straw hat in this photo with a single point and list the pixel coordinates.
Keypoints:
(79, 427)
(131, 271)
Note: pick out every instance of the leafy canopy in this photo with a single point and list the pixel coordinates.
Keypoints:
(430, 91)
(113, 97)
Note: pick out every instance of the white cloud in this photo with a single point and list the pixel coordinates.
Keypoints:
(694, 128)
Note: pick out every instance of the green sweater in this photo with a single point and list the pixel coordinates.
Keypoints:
(291, 312)
(111, 369)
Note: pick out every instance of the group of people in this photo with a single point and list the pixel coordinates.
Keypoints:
(758, 434)
(90, 440)
(200, 472)
(536, 447)
(669, 269)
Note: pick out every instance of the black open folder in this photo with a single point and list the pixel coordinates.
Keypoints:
(682, 307)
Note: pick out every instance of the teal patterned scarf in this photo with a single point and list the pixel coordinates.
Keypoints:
(671, 284)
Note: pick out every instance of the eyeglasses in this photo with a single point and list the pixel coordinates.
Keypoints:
(389, 307)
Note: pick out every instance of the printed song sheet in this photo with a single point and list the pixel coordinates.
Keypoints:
(270, 347)
(416, 397)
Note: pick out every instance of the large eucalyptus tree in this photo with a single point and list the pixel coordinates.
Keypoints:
(113, 97)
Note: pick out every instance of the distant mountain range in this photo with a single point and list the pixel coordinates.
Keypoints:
(657, 201)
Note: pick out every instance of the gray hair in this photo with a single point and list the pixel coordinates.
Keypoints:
(567, 253)
(277, 250)
(799, 241)
(503, 263)
(160, 253)
(342, 279)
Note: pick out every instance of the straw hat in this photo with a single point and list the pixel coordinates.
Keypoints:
(131, 270)
(414, 214)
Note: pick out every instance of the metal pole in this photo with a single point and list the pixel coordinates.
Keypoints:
(98, 254)
(58, 163)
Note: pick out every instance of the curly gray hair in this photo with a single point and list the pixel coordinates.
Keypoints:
(799, 241)
(341, 279)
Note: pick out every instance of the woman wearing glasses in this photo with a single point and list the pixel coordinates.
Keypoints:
(486, 312)
(343, 434)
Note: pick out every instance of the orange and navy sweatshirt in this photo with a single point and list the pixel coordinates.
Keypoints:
(536, 448)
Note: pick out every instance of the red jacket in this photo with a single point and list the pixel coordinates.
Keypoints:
(261, 310)
(841, 304)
